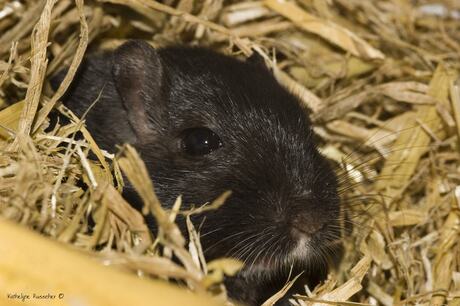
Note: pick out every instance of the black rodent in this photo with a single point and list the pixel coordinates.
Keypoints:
(205, 123)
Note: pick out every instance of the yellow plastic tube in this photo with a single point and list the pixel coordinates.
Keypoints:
(35, 270)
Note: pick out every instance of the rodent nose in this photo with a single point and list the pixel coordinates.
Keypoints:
(305, 225)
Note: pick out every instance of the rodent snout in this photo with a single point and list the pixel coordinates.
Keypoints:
(304, 224)
(301, 215)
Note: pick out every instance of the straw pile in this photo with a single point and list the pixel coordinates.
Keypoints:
(380, 78)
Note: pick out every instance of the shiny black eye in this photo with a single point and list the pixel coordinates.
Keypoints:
(200, 141)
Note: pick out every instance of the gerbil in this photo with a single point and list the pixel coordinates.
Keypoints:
(205, 123)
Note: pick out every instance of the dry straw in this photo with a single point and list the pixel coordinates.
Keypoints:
(381, 81)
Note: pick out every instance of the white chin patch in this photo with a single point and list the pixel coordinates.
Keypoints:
(302, 251)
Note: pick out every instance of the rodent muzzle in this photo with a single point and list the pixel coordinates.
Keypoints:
(304, 225)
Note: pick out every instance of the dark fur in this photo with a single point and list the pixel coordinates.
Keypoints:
(269, 160)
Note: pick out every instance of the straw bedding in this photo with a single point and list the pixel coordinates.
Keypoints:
(381, 81)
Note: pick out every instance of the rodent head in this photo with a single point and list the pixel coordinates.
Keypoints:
(205, 123)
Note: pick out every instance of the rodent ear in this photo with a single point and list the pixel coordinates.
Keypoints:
(257, 60)
(137, 73)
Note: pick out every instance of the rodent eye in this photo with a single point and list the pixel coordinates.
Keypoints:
(200, 141)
